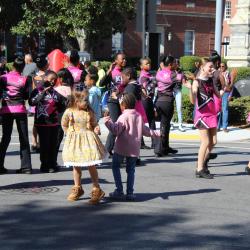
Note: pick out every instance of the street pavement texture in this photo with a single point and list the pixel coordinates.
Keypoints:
(173, 209)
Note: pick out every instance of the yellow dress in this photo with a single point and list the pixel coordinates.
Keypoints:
(82, 147)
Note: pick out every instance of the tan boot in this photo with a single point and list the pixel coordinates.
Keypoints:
(96, 195)
(76, 193)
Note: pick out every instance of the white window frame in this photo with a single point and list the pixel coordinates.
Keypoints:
(228, 10)
(192, 51)
(117, 42)
(225, 47)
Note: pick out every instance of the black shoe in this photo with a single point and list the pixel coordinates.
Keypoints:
(172, 151)
(138, 162)
(203, 174)
(212, 156)
(145, 147)
(44, 170)
(158, 155)
(3, 170)
(247, 170)
(24, 171)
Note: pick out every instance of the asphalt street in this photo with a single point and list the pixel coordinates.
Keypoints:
(173, 209)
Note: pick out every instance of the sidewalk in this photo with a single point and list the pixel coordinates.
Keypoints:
(234, 134)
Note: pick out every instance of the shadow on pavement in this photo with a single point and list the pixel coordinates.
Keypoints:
(37, 225)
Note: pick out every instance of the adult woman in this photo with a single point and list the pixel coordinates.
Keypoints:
(166, 81)
(14, 90)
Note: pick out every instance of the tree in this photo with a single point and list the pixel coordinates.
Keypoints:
(98, 18)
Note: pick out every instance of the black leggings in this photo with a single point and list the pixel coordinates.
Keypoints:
(166, 111)
(22, 128)
(114, 112)
(48, 146)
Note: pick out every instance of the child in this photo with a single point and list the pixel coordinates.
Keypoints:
(48, 104)
(147, 82)
(128, 130)
(82, 146)
(202, 94)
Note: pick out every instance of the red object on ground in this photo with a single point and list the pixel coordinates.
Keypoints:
(57, 60)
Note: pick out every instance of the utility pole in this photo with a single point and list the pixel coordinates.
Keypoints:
(218, 25)
(143, 27)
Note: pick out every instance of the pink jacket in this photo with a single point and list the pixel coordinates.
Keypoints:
(129, 129)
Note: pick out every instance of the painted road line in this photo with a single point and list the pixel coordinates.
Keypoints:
(184, 137)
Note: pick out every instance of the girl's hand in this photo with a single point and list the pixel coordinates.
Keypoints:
(97, 130)
(106, 113)
(187, 84)
(114, 95)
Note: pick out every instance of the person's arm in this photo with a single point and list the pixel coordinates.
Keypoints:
(37, 97)
(115, 128)
(28, 88)
(193, 91)
(65, 121)
(149, 132)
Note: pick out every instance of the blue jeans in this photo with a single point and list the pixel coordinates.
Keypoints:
(178, 101)
(130, 169)
(223, 119)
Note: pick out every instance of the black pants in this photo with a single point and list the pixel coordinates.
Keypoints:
(114, 112)
(60, 136)
(166, 111)
(148, 106)
(22, 128)
(48, 146)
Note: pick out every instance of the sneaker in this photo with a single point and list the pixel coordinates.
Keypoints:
(3, 170)
(225, 130)
(203, 174)
(212, 156)
(24, 171)
(116, 195)
(181, 128)
(172, 151)
(96, 195)
(76, 193)
(130, 197)
(247, 170)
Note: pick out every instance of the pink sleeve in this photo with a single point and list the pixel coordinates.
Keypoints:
(115, 128)
(150, 133)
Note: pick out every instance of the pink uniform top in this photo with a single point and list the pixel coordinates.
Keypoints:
(14, 90)
(166, 80)
(117, 79)
(76, 73)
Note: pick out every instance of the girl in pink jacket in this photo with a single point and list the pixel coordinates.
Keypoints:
(128, 129)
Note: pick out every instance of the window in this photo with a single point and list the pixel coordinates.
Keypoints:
(117, 42)
(158, 2)
(189, 42)
(226, 41)
(228, 10)
(190, 5)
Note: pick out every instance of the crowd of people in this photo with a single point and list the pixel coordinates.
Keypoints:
(71, 102)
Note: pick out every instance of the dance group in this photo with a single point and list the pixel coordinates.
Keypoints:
(71, 102)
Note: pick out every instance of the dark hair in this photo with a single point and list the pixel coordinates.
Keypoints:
(19, 64)
(131, 72)
(41, 61)
(215, 57)
(168, 60)
(74, 57)
(128, 101)
(92, 69)
(67, 78)
(87, 64)
(51, 72)
(117, 54)
(145, 58)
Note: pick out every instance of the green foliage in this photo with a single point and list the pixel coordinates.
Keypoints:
(238, 110)
(242, 73)
(98, 18)
(9, 66)
(187, 110)
(187, 62)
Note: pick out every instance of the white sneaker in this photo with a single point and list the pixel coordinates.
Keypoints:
(171, 127)
(181, 128)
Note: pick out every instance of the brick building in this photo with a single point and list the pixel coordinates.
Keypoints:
(183, 27)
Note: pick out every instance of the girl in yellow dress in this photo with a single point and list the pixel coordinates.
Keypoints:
(82, 146)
